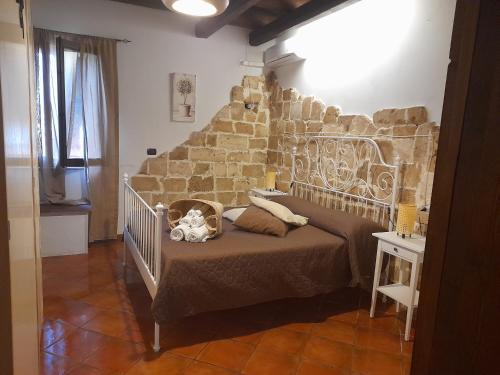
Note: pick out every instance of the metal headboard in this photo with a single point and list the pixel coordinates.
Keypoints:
(345, 172)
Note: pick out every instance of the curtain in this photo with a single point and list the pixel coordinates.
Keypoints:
(91, 107)
(99, 80)
(52, 184)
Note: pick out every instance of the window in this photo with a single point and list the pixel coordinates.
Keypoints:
(78, 139)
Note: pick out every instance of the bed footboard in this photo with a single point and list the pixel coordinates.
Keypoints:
(142, 236)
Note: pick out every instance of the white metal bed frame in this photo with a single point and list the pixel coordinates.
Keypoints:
(325, 163)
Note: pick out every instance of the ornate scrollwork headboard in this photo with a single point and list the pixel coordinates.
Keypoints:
(345, 172)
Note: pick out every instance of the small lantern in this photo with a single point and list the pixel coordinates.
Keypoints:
(270, 181)
(407, 214)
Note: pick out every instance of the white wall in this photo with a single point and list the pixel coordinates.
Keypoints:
(375, 54)
(162, 43)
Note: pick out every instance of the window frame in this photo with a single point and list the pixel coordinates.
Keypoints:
(65, 162)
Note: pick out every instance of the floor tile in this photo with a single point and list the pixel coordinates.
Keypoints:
(87, 370)
(310, 368)
(54, 330)
(282, 340)
(116, 324)
(368, 362)
(271, 363)
(78, 345)
(377, 340)
(328, 352)
(74, 312)
(229, 354)
(200, 368)
(387, 322)
(109, 299)
(54, 365)
(162, 365)
(116, 355)
(335, 330)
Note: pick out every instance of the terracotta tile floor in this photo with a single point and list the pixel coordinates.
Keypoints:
(97, 322)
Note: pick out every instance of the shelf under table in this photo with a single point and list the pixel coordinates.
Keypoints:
(399, 293)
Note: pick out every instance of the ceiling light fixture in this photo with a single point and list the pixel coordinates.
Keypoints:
(197, 8)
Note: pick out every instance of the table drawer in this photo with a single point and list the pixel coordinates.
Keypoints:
(398, 251)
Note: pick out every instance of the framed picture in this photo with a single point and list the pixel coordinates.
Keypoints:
(183, 97)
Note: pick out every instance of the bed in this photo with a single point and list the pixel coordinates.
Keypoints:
(341, 183)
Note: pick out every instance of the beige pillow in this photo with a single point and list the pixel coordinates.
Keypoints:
(280, 211)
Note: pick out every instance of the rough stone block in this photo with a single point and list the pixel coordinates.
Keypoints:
(237, 111)
(211, 140)
(145, 183)
(157, 166)
(180, 168)
(232, 142)
(306, 107)
(242, 198)
(286, 111)
(237, 94)
(259, 157)
(262, 117)
(239, 156)
(416, 115)
(196, 139)
(219, 169)
(176, 185)
(253, 170)
(317, 110)
(226, 198)
(200, 184)
(273, 142)
(242, 184)
(296, 111)
(224, 113)
(207, 154)
(276, 110)
(250, 116)
(252, 82)
(223, 126)
(205, 196)
(179, 153)
(257, 143)
(170, 198)
(224, 184)
(331, 115)
(314, 126)
(233, 170)
(243, 128)
(261, 131)
(201, 168)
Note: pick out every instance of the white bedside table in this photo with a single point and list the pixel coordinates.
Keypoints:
(409, 249)
(266, 194)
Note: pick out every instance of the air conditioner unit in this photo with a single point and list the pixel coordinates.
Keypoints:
(280, 54)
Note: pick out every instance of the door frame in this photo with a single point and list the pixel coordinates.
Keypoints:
(6, 359)
(456, 330)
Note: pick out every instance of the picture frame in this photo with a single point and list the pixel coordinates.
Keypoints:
(183, 108)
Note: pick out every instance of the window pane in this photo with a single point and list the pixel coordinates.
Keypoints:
(73, 100)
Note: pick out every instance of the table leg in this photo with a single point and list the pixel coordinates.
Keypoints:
(376, 279)
(413, 289)
(400, 269)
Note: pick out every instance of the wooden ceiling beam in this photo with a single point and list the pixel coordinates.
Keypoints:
(236, 8)
(300, 15)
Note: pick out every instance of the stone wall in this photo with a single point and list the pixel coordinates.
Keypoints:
(221, 162)
(230, 156)
(403, 133)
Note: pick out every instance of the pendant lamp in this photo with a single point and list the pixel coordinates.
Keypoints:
(197, 8)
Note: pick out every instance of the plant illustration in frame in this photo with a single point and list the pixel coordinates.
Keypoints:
(183, 97)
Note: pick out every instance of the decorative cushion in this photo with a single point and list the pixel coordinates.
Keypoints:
(233, 213)
(279, 211)
(258, 220)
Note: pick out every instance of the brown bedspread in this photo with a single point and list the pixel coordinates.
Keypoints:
(240, 268)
